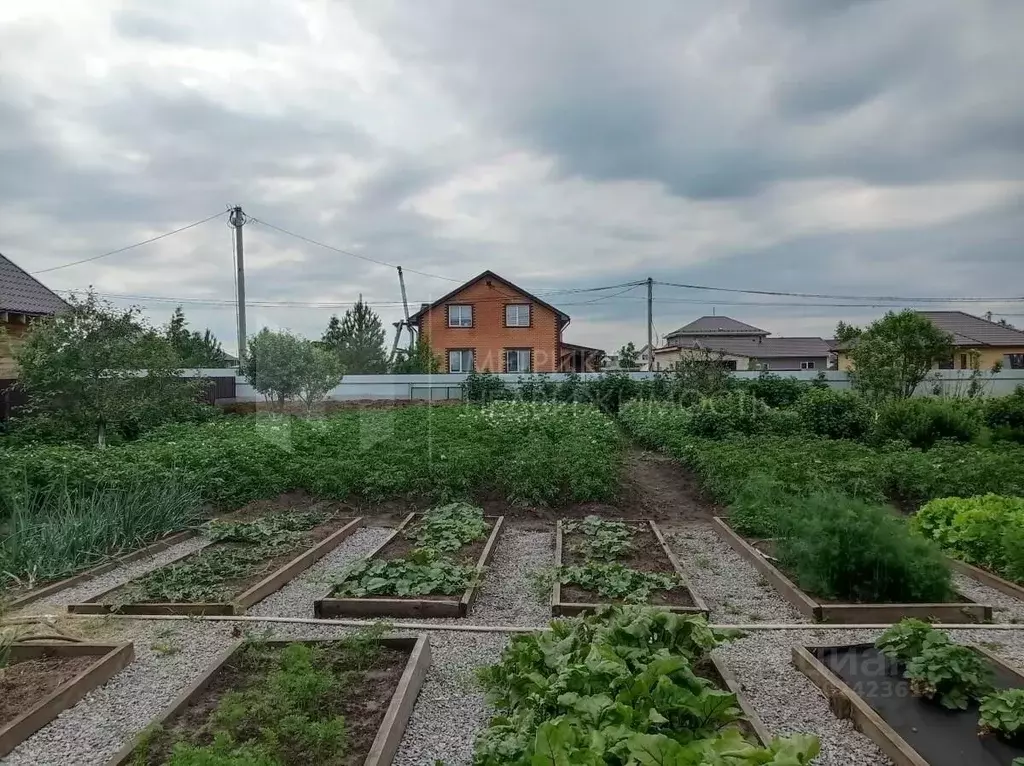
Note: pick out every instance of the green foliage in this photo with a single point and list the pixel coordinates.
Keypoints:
(1002, 713)
(447, 528)
(759, 508)
(923, 421)
(950, 674)
(617, 688)
(1005, 415)
(895, 353)
(834, 414)
(423, 572)
(321, 370)
(419, 360)
(83, 366)
(275, 363)
(484, 388)
(629, 357)
(615, 581)
(192, 348)
(904, 640)
(357, 340)
(54, 532)
(776, 391)
(839, 547)
(599, 539)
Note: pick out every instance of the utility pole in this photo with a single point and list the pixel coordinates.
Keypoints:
(237, 219)
(650, 324)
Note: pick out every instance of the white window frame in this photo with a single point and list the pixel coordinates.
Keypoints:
(460, 354)
(518, 314)
(519, 352)
(461, 315)
(809, 365)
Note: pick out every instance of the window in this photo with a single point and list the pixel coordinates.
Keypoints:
(946, 364)
(1013, 361)
(517, 360)
(806, 365)
(460, 360)
(517, 315)
(963, 361)
(460, 315)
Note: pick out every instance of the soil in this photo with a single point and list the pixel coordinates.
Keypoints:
(367, 696)
(27, 683)
(400, 546)
(646, 555)
(942, 737)
(239, 585)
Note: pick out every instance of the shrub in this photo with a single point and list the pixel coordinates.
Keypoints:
(760, 508)
(834, 414)
(776, 391)
(921, 422)
(839, 547)
(484, 387)
(1005, 415)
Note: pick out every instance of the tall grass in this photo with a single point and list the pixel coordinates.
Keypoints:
(56, 532)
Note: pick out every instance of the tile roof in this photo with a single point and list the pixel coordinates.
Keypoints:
(717, 325)
(768, 348)
(969, 330)
(489, 275)
(22, 293)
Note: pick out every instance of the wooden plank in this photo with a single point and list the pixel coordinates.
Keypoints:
(150, 550)
(864, 614)
(805, 605)
(481, 566)
(152, 607)
(987, 578)
(390, 732)
(683, 577)
(389, 735)
(573, 608)
(733, 685)
(556, 589)
(276, 580)
(111, 659)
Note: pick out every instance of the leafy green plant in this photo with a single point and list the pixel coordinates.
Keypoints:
(923, 421)
(600, 539)
(950, 674)
(904, 640)
(1002, 713)
(448, 528)
(615, 581)
(834, 414)
(423, 572)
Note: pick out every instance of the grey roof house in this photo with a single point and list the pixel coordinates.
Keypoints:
(22, 297)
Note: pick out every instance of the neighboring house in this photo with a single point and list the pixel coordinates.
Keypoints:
(611, 362)
(22, 299)
(489, 323)
(741, 346)
(576, 358)
(977, 343)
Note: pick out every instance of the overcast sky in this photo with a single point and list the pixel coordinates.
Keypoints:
(855, 147)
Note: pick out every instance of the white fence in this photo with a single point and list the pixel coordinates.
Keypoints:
(445, 386)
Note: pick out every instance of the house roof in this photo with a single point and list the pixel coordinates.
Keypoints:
(717, 325)
(485, 275)
(768, 348)
(577, 347)
(22, 293)
(969, 330)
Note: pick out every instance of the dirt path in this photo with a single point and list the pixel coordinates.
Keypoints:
(663, 489)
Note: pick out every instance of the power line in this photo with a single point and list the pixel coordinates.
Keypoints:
(129, 247)
(888, 298)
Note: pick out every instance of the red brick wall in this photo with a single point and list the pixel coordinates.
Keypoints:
(488, 337)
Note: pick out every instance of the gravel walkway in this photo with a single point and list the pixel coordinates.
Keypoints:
(509, 594)
(115, 577)
(296, 598)
(734, 591)
(1004, 608)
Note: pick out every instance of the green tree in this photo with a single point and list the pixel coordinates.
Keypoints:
(894, 354)
(193, 349)
(319, 373)
(276, 364)
(97, 367)
(629, 357)
(358, 340)
(421, 360)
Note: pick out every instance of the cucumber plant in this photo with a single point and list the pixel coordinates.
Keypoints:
(1002, 713)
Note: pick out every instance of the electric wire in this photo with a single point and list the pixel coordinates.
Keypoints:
(888, 298)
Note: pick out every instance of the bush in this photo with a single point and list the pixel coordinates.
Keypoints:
(776, 391)
(760, 508)
(921, 422)
(1005, 415)
(834, 414)
(838, 547)
(484, 387)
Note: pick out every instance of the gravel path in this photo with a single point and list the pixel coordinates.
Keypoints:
(1004, 608)
(509, 594)
(296, 598)
(734, 591)
(115, 577)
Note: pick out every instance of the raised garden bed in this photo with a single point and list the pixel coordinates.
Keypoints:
(265, 570)
(648, 552)
(399, 545)
(373, 693)
(819, 610)
(43, 679)
(23, 597)
(868, 688)
(985, 577)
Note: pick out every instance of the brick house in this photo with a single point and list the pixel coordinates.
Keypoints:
(490, 324)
